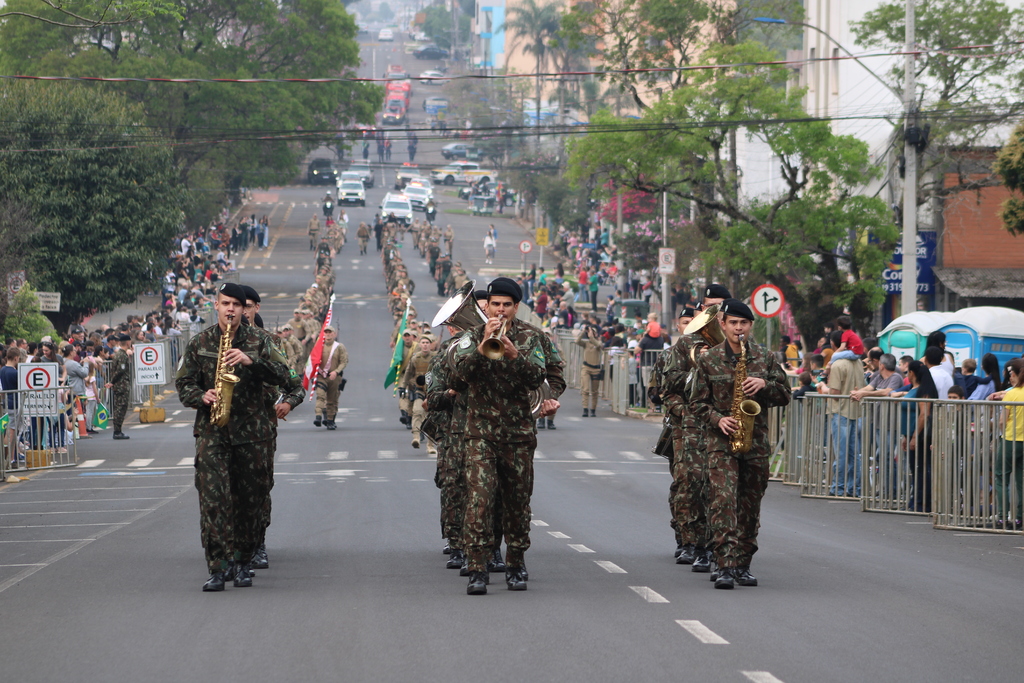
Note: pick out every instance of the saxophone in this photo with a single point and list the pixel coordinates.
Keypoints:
(220, 411)
(744, 410)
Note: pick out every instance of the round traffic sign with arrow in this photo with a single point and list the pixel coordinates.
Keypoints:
(767, 301)
(525, 246)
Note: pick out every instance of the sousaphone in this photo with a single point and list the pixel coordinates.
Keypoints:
(461, 310)
(706, 326)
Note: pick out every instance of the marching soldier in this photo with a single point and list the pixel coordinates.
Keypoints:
(328, 383)
(363, 233)
(298, 328)
(313, 228)
(121, 383)
(593, 370)
(449, 239)
(737, 480)
(500, 431)
(414, 378)
(231, 461)
(292, 347)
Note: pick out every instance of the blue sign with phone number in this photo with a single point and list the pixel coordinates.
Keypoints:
(892, 276)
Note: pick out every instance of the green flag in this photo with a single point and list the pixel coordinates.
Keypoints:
(4, 421)
(99, 419)
(396, 359)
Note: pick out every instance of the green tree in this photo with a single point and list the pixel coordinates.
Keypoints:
(24, 321)
(533, 26)
(226, 135)
(17, 230)
(1010, 167)
(438, 26)
(822, 243)
(85, 14)
(384, 12)
(107, 207)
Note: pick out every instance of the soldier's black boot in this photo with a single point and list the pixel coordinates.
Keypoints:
(586, 413)
(317, 421)
(447, 547)
(743, 576)
(260, 559)
(121, 435)
(514, 579)
(243, 576)
(688, 554)
(725, 578)
(477, 584)
(496, 564)
(701, 561)
(541, 424)
(464, 569)
(214, 583)
(330, 425)
(551, 423)
(455, 560)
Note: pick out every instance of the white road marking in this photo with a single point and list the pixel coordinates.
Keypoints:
(355, 267)
(176, 412)
(928, 523)
(537, 522)
(647, 594)
(291, 267)
(186, 461)
(296, 422)
(610, 567)
(92, 463)
(356, 260)
(146, 426)
(387, 455)
(281, 295)
(341, 473)
(257, 267)
(337, 455)
(538, 455)
(613, 419)
(760, 677)
(582, 455)
(140, 462)
(273, 267)
(597, 473)
(376, 419)
(558, 534)
(306, 267)
(580, 548)
(289, 457)
(181, 425)
(631, 455)
(702, 632)
(572, 419)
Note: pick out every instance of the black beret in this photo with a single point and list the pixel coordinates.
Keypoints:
(232, 290)
(504, 286)
(716, 291)
(122, 337)
(687, 312)
(480, 294)
(250, 293)
(258, 321)
(737, 309)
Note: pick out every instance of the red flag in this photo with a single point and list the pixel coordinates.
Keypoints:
(316, 356)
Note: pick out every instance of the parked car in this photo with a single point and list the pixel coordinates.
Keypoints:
(321, 172)
(432, 78)
(364, 169)
(431, 52)
(459, 150)
(386, 35)
(351, 192)
(397, 204)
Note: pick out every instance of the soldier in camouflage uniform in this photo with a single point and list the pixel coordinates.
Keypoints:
(414, 380)
(593, 355)
(737, 480)
(231, 461)
(292, 347)
(500, 431)
(121, 383)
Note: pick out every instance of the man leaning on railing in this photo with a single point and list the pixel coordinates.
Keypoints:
(844, 378)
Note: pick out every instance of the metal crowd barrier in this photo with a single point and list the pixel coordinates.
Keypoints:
(41, 429)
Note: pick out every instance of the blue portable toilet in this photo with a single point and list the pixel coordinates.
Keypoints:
(908, 334)
(973, 332)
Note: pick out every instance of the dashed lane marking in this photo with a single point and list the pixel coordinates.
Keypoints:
(387, 455)
(537, 522)
(376, 419)
(289, 457)
(648, 594)
(181, 425)
(337, 455)
(145, 426)
(141, 462)
(631, 455)
(597, 473)
(558, 534)
(760, 677)
(184, 462)
(613, 419)
(580, 548)
(582, 455)
(702, 632)
(176, 412)
(538, 455)
(610, 567)
(91, 463)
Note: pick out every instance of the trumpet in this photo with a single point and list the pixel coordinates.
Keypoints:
(493, 347)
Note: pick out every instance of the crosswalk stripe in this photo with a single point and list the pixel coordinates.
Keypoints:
(91, 463)
(632, 455)
(186, 461)
(140, 462)
(337, 455)
(387, 455)
(582, 455)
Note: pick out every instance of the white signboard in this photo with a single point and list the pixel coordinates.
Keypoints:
(42, 379)
(149, 364)
(666, 261)
(49, 301)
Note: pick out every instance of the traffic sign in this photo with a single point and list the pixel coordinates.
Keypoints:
(525, 246)
(666, 261)
(542, 237)
(767, 301)
(15, 281)
(149, 364)
(42, 380)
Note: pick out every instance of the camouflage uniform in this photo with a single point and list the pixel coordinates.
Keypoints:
(593, 353)
(414, 381)
(294, 351)
(737, 482)
(501, 436)
(363, 233)
(121, 378)
(448, 415)
(327, 390)
(688, 491)
(231, 462)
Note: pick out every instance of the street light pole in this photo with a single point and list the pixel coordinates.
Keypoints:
(908, 303)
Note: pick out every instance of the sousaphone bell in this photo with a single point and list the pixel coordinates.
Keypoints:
(706, 326)
(461, 311)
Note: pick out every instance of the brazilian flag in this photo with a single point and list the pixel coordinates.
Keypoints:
(99, 419)
(4, 421)
(396, 359)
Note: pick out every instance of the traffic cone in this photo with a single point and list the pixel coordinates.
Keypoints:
(81, 418)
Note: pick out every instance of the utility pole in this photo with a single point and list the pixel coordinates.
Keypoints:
(666, 308)
(909, 296)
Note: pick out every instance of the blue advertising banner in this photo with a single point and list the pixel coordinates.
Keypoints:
(892, 276)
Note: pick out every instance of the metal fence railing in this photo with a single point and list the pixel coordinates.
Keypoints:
(40, 429)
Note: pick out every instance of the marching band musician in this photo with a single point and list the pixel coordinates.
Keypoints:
(737, 480)
(500, 430)
(231, 461)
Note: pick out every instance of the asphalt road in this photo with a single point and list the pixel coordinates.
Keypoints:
(101, 566)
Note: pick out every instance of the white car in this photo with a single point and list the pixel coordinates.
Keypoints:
(386, 35)
(350, 175)
(351, 192)
(461, 172)
(432, 78)
(397, 204)
(418, 196)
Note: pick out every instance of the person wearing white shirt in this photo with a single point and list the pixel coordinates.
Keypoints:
(943, 379)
